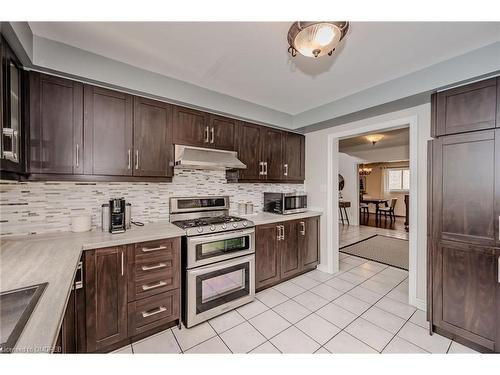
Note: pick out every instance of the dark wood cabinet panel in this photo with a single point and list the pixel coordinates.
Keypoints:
(272, 153)
(152, 138)
(290, 250)
(465, 291)
(222, 132)
(108, 132)
(190, 127)
(248, 141)
(105, 297)
(56, 125)
(294, 157)
(267, 255)
(467, 108)
(309, 242)
(464, 187)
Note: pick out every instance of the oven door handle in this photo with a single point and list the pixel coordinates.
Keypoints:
(221, 265)
(222, 236)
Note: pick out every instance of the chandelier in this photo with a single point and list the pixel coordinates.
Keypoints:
(315, 39)
(364, 171)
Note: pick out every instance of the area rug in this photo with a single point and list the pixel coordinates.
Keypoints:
(383, 249)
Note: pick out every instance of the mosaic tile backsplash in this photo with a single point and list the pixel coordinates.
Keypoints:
(43, 207)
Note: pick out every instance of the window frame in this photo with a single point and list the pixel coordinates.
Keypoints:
(402, 189)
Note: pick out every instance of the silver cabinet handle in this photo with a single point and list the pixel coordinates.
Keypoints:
(286, 170)
(261, 168)
(212, 135)
(137, 159)
(149, 268)
(77, 155)
(149, 249)
(122, 263)
(79, 273)
(265, 168)
(207, 137)
(154, 286)
(278, 232)
(129, 155)
(158, 310)
(283, 232)
(303, 228)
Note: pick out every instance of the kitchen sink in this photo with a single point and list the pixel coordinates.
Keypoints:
(16, 307)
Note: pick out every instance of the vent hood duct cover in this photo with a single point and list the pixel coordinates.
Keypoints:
(204, 158)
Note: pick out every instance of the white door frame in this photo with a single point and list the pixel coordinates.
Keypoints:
(332, 262)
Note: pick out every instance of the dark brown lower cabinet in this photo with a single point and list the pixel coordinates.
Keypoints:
(128, 293)
(284, 250)
(106, 297)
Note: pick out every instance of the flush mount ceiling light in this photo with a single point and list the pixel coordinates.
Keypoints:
(315, 39)
(374, 138)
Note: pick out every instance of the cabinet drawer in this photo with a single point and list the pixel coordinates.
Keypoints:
(156, 249)
(151, 266)
(154, 283)
(153, 311)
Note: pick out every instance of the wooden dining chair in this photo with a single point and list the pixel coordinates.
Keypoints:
(388, 210)
(363, 209)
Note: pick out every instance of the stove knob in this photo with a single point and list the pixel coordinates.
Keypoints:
(200, 229)
(212, 227)
(244, 223)
(235, 225)
(224, 226)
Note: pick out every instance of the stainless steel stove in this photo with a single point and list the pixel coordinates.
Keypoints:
(218, 257)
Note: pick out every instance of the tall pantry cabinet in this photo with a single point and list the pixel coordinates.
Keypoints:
(464, 214)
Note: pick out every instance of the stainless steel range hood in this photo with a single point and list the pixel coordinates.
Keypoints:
(205, 158)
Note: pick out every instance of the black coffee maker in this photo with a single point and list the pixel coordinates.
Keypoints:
(117, 215)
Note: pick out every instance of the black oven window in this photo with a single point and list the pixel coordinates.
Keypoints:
(219, 287)
(216, 248)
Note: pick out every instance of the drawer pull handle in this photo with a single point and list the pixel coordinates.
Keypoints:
(158, 310)
(149, 268)
(147, 250)
(154, 286)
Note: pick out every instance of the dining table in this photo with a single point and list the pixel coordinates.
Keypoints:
(376, 201)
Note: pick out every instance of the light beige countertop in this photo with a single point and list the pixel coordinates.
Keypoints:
(269, 218)
(53, 258)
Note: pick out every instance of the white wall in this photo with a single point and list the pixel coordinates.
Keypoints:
(317, 176)
(348, 168)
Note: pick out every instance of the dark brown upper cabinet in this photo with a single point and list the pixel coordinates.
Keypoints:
(467, 108)
(191, 127)
(56, 125)
(248, 140)
(153, 150)
(272, 154)
(108, 128)
(222, 131)
(294, 157)
(12, 113)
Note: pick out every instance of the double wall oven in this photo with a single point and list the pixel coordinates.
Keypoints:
(218, 257)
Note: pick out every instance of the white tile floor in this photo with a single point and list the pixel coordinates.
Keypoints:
(361, 309)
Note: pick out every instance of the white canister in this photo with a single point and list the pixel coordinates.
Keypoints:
(81, 223)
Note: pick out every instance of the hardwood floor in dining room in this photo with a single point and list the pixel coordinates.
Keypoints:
(386, 223)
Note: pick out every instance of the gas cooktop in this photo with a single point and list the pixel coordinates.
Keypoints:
(203, 225)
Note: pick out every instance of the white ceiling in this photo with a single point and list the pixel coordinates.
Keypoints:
(392, 138)
(249, 60)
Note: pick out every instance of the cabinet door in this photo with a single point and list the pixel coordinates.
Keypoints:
(466, 291)
(290, 251)
(105, 296)
(267, 255)
(108, 132)
(191, 127)
(222, 132)
(464, 188)
(152, 138)
(294, 157)
(56, 125)
(467, 108)
(272, 147)
(309, 242)
(12, 110)
(248, 142)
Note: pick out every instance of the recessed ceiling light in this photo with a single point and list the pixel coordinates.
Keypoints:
(315, 39)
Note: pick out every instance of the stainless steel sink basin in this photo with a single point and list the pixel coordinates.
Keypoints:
(16, 307)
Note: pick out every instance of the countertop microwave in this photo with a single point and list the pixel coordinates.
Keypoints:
(285, 203)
